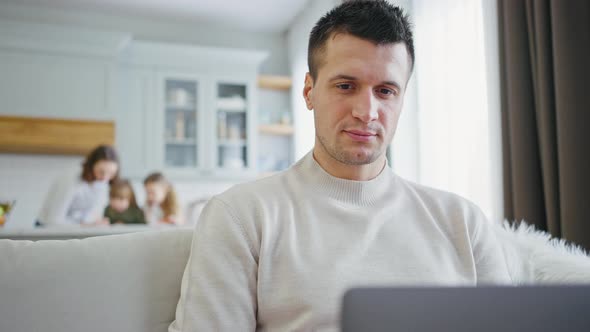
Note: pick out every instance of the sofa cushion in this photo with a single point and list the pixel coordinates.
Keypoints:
(125, 282)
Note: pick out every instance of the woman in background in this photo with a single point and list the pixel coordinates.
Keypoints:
(161, 204)
(80, 199)
(122, 208)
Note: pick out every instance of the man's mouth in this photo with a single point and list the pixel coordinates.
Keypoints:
(361, 135)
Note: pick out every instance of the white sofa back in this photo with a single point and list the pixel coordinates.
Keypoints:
(131, 282)
(125, 282)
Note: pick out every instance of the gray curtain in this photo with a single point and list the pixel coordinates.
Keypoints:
(545, 54)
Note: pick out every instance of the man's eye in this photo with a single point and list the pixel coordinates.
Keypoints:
(344, 86)
(385, 91)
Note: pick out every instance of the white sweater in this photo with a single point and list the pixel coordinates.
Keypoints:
(70, 200)
(278, 254)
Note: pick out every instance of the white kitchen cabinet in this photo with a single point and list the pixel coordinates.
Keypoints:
(55, 72)
(179, 123)
(185, 110)
(235, 132)
(197, 106)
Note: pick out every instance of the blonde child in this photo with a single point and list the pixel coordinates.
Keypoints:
(161, 203)
(122, 208)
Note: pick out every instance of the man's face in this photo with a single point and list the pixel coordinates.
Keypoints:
(357, 98)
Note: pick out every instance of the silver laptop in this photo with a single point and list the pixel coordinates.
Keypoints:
(475, 309)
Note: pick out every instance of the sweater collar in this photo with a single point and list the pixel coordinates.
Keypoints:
(350, 192)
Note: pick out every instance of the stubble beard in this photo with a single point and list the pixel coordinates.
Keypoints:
(352, 158)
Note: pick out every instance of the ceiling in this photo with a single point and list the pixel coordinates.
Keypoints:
(247, 15)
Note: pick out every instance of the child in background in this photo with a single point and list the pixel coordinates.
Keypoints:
(161, 204)
(122, 208)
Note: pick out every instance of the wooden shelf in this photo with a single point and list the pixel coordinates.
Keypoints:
(53, 136)
(276, 129)
(274, 82)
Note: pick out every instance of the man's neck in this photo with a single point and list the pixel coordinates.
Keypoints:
(349, 172)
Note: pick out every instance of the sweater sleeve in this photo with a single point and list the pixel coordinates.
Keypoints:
(57, 202)
(219, 284)
(99, 201)
(490, 263)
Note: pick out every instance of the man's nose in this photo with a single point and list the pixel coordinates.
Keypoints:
(366, 106)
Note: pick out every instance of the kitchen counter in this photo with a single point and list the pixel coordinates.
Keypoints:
(77, 232)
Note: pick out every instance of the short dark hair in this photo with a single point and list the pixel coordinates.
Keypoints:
(101, 152)
(373, 20)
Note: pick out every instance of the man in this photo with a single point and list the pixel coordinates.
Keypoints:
(278, 254)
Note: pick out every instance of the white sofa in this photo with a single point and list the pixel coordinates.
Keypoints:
(126, 283)
(132, 282)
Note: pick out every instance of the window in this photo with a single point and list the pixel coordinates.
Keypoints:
(449, 136)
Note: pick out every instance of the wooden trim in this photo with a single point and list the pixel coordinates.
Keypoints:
(276, 129)
(53, 136)
(274, 82)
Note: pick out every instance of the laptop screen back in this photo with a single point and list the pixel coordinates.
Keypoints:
(468, 309)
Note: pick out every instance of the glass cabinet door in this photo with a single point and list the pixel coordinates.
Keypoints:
(232, 124)
(180, 123)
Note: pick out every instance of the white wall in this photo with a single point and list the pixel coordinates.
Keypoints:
(297, 40)
(26, 178)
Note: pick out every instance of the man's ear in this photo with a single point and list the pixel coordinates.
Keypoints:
(308, 91)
